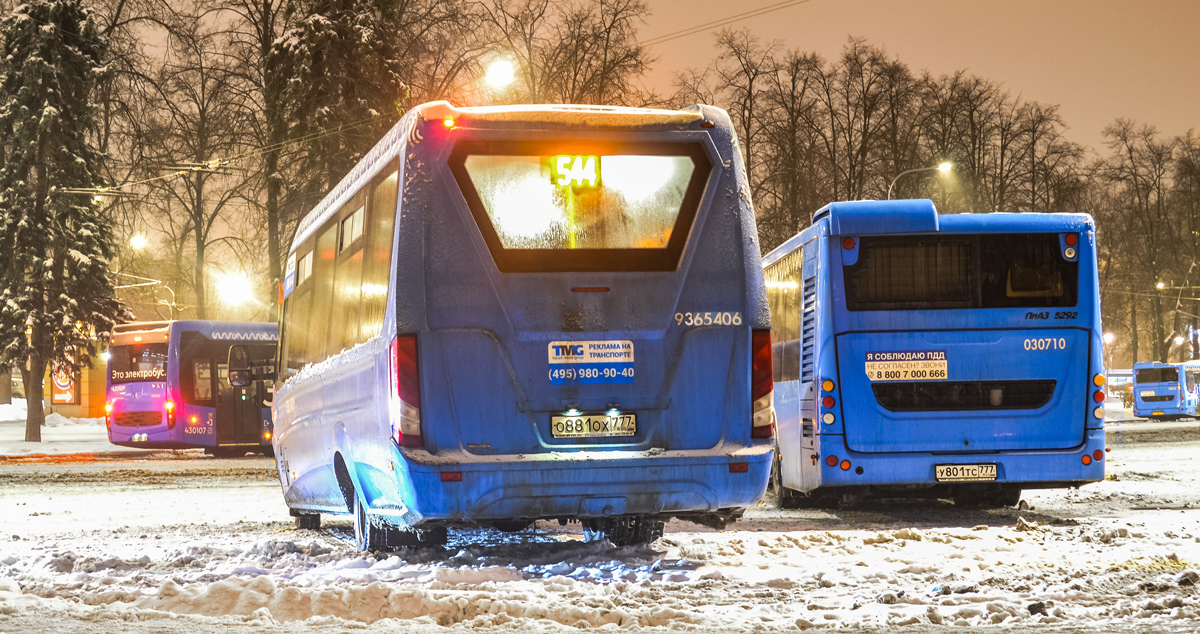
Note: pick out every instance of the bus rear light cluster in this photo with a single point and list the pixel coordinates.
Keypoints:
(1098, 380)
(831, 461)
(405, 399)
(452, 476)
(1098, 396)
(739, 467)
(169, 406)
(108, 416)
(1086, 459)
(762, 385)
(1098, 413)
(845, 465)
(828, 402)
(1098, 455)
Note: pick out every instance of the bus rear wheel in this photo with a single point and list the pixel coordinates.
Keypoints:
(988, 498)
(624, 531)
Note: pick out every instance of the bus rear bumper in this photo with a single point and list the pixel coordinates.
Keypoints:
(1146, 411)
(591, 485)
(1037, 469)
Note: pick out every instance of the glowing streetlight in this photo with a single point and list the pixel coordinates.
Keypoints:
(1179, 340)
(500, 74)
(943, 168)
(138, 241)
(1108, 338)
(236, 290)
(1160, 285)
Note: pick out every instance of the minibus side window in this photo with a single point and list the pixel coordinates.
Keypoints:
(347, 287)
(377, 261)
(323, 271)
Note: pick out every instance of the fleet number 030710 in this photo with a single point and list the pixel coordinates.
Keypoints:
(1047, 343)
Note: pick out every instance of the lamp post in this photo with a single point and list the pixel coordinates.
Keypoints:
(500, 73)
(944, 167)
(1108, 340)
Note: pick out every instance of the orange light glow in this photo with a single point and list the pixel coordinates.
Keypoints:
(448, 122)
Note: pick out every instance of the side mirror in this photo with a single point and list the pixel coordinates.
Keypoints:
(239, 366)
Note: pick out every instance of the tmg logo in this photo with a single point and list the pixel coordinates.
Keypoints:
(561, 350)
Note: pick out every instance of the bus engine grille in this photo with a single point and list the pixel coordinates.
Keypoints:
(137, 419)
(1159, 399)
(930, 396)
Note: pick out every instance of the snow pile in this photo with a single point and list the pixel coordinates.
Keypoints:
(1085, 576)
(60, 434)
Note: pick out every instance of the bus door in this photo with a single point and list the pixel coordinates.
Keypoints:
(238, 410)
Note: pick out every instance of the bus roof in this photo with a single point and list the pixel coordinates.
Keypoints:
(919, 215)
(568, 115)
(151, 331)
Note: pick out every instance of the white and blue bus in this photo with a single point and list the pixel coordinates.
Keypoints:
(1166, 391)
(168, 387)
(919, 354)
(510, 314)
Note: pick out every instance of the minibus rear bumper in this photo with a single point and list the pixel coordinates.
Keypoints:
(1025, 468)
(587, 484)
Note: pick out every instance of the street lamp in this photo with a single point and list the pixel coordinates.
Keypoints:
(500, 74)
(1160, 285)
(138, 241)
(236, 290)
(1108, 338)
(944, 168)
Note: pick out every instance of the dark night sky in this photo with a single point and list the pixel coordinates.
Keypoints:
(1097, 59)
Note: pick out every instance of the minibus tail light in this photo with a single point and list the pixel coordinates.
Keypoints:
(405, 401)
(170, 407)
(762, 385)
(108, 416)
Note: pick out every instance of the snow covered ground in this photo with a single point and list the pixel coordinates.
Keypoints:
(60, 436)
(194, 544)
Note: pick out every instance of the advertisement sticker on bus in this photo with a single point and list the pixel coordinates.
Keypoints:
(907, 365)
(590, 362)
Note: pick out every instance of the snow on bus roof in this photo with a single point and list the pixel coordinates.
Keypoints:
(604, 116)
(388, 147)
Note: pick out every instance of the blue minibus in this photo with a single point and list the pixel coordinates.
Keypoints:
(508, 314)
(168, 387)
(1166, 391)
(950, 356)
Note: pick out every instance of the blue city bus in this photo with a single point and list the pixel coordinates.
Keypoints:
(509, 314)
(950, 356)
(168, 387)
(1166, 391)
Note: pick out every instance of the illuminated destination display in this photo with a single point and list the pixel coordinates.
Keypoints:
(570, 170)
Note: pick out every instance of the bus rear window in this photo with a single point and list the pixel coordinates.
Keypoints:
(961, 271)
(555, 207)
(144, 362)
(1157, 375)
